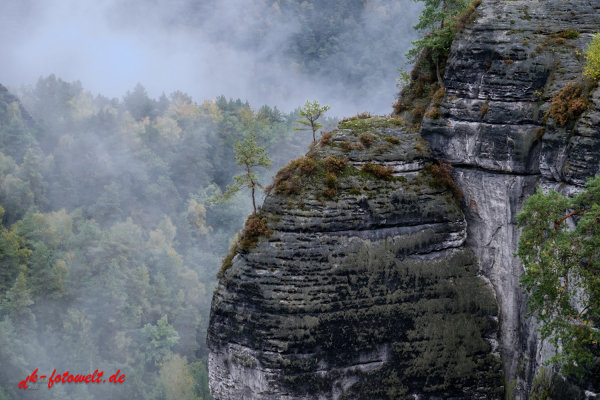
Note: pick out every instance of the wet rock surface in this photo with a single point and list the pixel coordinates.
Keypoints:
(358, 297)
(370, 294)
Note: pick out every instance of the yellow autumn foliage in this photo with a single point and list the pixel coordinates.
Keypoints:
(592, 58)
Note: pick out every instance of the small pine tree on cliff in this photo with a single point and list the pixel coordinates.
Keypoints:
(312, 111)
(249, 155)
(438, 27)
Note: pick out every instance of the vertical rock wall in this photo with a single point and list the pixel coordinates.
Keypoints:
(501, 75)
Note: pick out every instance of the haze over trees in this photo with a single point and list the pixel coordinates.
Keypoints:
(282, 52)
(108, 244)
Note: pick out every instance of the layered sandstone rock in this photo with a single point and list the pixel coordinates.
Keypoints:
(368, 295)
(496, 130)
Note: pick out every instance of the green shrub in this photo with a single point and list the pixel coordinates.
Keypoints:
(439, 96)
(592, 58)
(331, 181)
(569, 34)
(228, 260)
(392, 140)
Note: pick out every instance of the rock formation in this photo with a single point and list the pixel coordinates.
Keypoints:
(389, 289)
(496, 130)
(370, 294)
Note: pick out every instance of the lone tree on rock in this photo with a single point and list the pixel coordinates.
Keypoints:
(312, 111)
(249, 155)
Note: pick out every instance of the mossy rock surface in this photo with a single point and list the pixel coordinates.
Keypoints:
(367, 295)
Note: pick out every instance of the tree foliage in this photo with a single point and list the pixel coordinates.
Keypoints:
(107, 237)
(311, 112)
(559, 248)
(592, 59)
(437, 25)
(249, 155)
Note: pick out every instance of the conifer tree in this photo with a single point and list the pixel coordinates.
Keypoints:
(562, 271)
(30, 172)
(437, 24)
(17, 301)
(249, 155)
(312, 111)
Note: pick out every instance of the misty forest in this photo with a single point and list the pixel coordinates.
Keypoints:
(109, 246)
(267, 199)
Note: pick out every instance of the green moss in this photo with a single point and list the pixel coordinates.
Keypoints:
(370, 125)
(439, 304)
(569, 34)
(392, 140)
(228, 260)
(540, 387)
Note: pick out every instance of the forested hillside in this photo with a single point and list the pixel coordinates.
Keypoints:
(108, 246)
(351, 48)
(343, 52)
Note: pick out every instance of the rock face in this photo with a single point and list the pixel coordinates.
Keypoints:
(390, 290)
(370, 294)
(495, 129)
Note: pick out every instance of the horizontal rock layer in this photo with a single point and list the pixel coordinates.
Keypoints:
(495, 128)
(369, 295)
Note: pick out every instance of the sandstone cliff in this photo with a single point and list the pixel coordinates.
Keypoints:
(502, 73)
(392, 289)
(368, 295)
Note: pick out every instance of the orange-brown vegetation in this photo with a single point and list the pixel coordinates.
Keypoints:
(334, 165)
(441, 177)
(379, 171)
(568, 104)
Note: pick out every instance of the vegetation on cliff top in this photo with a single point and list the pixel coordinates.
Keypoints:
(439, 23)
